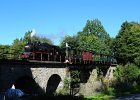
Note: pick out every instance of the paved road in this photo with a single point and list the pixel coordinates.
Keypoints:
(131, 97)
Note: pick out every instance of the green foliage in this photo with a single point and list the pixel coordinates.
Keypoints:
(55, 97)
(71, 81)
(41, 39)
(94, 37)
(67, 81)
(66, 88)
(126, 45)
(126, 81)
(75, 76)
(99, 97)
(35, 38)
(137, 60)
(27, 37)
(4, 51)
(89, 43)
(17, 47)
(110, 91)
(71, 40)
(63, 91)
(126, 76)
(95, 27)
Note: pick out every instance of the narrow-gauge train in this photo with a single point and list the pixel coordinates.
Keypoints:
(43, 52)
(46, 52)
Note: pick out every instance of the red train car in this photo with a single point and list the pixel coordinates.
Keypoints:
(87, 56)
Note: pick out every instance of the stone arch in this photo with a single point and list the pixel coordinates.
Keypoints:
(27, 84)
(53, 83)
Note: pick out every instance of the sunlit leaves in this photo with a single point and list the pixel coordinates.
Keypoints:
(127, 43)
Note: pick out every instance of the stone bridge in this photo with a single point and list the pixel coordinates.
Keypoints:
(41, 77)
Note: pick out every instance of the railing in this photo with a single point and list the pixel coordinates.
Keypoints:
(43, 56)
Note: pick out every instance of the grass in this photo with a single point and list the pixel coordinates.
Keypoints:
(111, 93)
(68, 97)
(99, 97)
(59, 97)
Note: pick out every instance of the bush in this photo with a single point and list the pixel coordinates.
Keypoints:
(126, 76)
(110, 91)
(108, 88)
(137, 60)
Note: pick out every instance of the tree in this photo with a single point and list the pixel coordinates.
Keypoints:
(27, 37)
(126, 76)
(4, 51)
(126, 45)
(71, 40)
(94, 37)
(41, 39)
(17, 47)
(89, 43)
(35, 38)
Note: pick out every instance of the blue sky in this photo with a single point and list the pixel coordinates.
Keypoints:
(57, 18)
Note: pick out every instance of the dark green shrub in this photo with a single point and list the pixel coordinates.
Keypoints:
(126, 77)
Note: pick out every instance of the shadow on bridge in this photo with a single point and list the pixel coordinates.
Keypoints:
(28, 85)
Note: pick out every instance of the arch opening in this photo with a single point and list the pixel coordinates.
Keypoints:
(53, 83)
